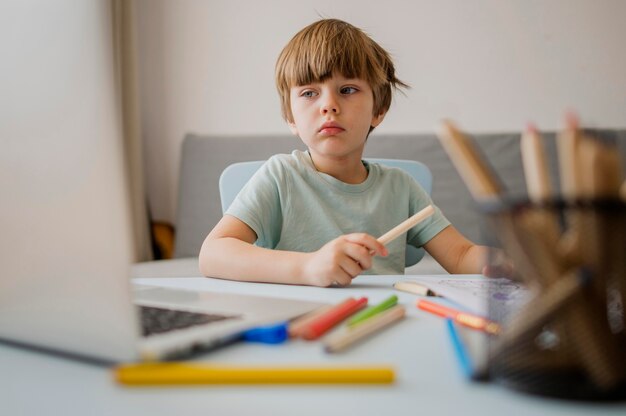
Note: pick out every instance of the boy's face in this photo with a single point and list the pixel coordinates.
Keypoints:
(333, 117)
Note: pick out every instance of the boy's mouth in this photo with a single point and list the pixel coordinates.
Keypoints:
(330, 128)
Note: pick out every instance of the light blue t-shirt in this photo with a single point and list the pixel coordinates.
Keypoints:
(291, 206)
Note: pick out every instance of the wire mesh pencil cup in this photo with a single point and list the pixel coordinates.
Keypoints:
(569, 338)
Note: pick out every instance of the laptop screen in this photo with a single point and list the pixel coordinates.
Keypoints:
(65, 242)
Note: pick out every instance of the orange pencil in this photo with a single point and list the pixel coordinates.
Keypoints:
(462, 318)
(332, 317)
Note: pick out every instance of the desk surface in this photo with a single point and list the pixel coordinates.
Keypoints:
(429, 380)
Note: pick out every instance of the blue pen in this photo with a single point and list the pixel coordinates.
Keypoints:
(459, 349)
(271, 334)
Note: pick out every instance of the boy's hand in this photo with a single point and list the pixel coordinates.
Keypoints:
(340, 260)
(501, 266)
(504, 270)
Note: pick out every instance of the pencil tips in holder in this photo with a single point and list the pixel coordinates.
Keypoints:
(567, 337)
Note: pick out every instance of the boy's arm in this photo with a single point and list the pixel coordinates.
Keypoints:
(228, 252)
(457, 254)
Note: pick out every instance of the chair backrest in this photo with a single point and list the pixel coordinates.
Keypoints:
(235, 176)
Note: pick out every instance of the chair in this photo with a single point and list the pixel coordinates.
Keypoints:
(235, 176)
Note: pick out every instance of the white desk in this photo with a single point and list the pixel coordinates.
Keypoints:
(428, 382)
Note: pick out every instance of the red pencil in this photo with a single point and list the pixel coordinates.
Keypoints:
(463, 318)
(332, 317)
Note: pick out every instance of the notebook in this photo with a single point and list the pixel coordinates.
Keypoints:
(66, 255)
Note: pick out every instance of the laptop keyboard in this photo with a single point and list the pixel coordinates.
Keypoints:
(159, 320)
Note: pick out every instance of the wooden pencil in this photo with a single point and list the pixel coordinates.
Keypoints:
(535, 314)
(406, 225)
(601, 164)
(415, 288)
(474, 171)
(570, 175)
(568, 157)
(538, 184)
(535, 166)
(582, 174)
(351, 335)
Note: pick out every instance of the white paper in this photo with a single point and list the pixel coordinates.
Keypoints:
(476, 293)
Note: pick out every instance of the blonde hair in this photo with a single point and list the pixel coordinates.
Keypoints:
(332, 45)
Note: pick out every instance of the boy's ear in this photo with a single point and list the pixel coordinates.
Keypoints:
(376, 120)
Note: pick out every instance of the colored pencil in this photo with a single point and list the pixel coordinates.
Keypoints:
(466, 319)
(186, 374)
(459, 349)
(332, 317)
(373, 310)
(296, 326)
(351, 335)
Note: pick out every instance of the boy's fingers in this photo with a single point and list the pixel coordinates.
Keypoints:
(368, 241)
(343, 279)
(498, 271)
(351, 268)
(360, 256)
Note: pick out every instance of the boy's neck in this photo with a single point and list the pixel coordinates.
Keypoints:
(348, 170)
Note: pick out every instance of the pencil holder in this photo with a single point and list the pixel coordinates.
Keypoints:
(566, 337)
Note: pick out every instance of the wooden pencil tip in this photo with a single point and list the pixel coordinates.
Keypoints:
(572, 122)
(447, 130)
(447, 124)
(531, 128)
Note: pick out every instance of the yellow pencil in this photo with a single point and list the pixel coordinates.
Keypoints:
(186, 374)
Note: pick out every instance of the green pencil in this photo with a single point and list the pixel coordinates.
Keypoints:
(373, 310)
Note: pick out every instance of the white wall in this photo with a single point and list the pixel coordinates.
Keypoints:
(491, 65)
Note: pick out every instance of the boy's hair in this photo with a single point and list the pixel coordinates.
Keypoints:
(332, 45)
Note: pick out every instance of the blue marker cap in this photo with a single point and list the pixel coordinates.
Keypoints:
(272, 334)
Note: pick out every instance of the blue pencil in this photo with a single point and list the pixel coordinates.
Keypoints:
(459, 349)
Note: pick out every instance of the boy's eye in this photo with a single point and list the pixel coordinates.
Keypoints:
(348, 90)
(308, 94)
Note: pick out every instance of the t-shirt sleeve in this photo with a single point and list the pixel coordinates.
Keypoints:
(430, 227)
(258, 204)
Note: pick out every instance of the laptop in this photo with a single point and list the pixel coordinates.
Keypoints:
(66, 254)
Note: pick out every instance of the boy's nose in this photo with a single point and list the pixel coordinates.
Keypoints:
(329, 106)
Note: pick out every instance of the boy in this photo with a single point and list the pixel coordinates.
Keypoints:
(313, 215)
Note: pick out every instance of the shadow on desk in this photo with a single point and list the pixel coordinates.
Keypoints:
(188, 267)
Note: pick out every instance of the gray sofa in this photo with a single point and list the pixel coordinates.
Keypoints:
(204, 157)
